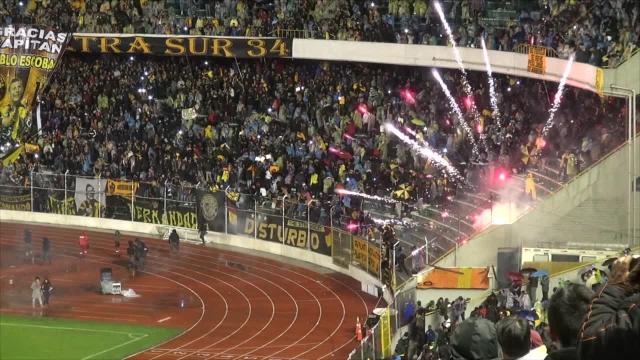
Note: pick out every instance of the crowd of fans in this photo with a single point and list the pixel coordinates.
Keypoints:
(302, 129)
(575, 321)
(602, 33)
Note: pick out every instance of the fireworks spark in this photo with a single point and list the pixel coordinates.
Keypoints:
(456, 110)
(363, 195)
(465, 82)
(425, 151)
(558, 97)
(492, 88)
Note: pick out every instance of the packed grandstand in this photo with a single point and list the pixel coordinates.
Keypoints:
(276, 138)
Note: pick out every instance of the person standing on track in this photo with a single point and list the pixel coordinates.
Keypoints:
(116, 242)
(140, 250)
(131, 253)
(202, 230)
(174, 241)
(47, 288)
(36, 292)
(46, 249)
(83, 241)
(28, 246)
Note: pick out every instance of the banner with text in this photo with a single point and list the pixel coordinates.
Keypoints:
(181, 45)
(28, 57)
(366, 255)
(15, 198)
(151, 211)
(269, 228)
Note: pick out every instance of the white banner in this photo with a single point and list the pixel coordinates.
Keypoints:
(90, 196)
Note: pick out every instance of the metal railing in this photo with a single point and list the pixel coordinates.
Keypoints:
(299, 224)
(524, 49)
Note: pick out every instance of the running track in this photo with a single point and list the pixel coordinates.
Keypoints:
(232, 305)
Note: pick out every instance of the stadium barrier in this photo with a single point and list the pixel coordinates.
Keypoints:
(152, 209)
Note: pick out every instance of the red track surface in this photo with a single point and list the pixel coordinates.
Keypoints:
(234, 305)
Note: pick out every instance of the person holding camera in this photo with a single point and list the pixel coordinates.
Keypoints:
(611, 329)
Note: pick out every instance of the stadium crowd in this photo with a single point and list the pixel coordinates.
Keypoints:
(602, 33)
(592, 320)
(302, 128)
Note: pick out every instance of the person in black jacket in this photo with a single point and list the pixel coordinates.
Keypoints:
(174, 241)
(46, 249)
(567, 309)
(28, 248)
(611, 329)
(202, 231)
(131, 253)
(47, 288)
(140, 251)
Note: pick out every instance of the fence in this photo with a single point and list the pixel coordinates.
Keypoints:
(189, 208)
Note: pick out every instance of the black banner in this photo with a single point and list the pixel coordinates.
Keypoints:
(151, 211)
(18, 199)
(270, 229)
(211, 209)
(176, 45)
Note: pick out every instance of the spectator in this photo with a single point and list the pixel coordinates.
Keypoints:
(514, 336)
(46, 250)
(612, 325)
(474, 339)
(174, 241)
(47, 289)
(567, 309)
(28, 246)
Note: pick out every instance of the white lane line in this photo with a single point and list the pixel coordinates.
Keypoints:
(115, 347)
(165, 319)
(70, 328)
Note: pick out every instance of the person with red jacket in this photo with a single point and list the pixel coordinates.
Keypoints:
(83, 241)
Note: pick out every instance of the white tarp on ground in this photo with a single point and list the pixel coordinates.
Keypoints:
(130, 293)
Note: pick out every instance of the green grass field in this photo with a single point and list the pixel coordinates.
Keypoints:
(50, 338)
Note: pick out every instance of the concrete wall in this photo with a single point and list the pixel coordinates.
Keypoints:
(626, 75)
(153, 230)
(502, 62)
(589, 212)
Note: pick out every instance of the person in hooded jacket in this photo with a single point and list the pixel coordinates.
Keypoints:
(611, 329)
(474, 339)
(567, 309)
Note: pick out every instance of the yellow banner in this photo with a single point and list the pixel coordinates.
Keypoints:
(28, 56)
(360, 252)
(385, 333)
(121, 187)
(537, 60)
(600, 81)
(374, 260)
